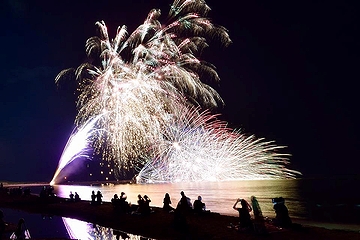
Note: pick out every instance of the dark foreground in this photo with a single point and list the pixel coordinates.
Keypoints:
(160, 224)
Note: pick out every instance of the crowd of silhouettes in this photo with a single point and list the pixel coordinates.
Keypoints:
(183, 208)
(257, 223)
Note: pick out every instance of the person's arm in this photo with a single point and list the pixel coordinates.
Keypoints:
(234, 207)
(249, 207)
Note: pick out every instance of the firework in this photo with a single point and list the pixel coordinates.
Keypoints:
(150, 87)
(78, 146)
(139, 79)
(199, 147)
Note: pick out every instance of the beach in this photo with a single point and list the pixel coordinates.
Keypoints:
(160, 224)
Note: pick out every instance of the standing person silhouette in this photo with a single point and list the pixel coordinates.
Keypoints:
(77, 197)
(185, 203)
(183, 208)
(93, 198)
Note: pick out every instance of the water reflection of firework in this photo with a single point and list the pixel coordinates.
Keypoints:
(86, 231)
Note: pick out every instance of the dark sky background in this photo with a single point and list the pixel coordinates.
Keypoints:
(291, 75)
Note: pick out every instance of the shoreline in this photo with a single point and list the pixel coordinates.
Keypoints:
(160, 224)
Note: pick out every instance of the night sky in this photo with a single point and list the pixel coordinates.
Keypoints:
(290, 75)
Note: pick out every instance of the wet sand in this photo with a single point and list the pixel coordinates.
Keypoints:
(160, 224)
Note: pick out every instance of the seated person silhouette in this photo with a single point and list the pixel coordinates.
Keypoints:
(125, 207)
(282, 218)
(244, 214)
(77, 197)
(146, 209)
(167, 202)
(71, 196)
(141, 204)
(199, 206)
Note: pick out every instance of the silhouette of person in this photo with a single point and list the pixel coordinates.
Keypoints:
(124, 205)
(71, 195)
(141, 204)
(77, 197)
(115, 200)
(21, 231)
(244, 214)
(185, 203)
(199, 206)
(43, 192)
(93, 197)
(182, 210)
(147, 209)
(123, 196)
(282, 218)
(259, 222)
(99, 197)
(167, 202)
(2, 224)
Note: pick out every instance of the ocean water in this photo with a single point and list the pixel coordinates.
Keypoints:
(54, 227)
(325, 200)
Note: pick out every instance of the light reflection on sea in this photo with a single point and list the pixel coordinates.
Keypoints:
(54, 227)
(86, 231)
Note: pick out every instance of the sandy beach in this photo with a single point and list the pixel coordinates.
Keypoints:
(160, 224)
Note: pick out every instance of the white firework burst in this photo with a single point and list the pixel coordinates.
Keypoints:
(199, 147)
